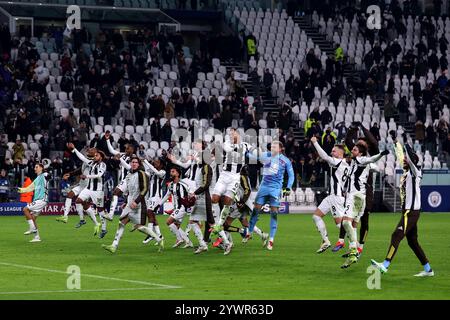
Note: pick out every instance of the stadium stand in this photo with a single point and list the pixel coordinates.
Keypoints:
(142, 87)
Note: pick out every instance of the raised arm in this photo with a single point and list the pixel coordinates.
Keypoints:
(159, 173)
(111, 149)
(409, 153)
(81, 156)
(332, 161)
(375, 158)
(27, 189)
(124, 164)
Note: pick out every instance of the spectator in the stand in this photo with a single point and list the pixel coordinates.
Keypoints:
(45, 142)
(442, 131)
(419, 129)
(155, 129)
(375, 131)
(129, 114)
(326, 117)
(166, 132)
(140, 113)
(430, 139)
(84, 117)
(268, 82)
(122, 142)
(4, 186)
(403, 109)
(446, 150)
(133, 142)
(169, 110)
(315, 115)
(82, 134)
(328, 140)
(94, 142)
(203, 109)
(271, 122)
(227, 117)
(18, 151)
(102, 144)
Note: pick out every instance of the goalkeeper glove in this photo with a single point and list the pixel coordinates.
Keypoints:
(286, 192)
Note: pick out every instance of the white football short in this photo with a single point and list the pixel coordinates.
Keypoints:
(153, 203)
(228, 184)
(36, 207)
(77, 190)
(354, 206)
(178, 214)
(97, 197)
(136, 216)
(333, 203)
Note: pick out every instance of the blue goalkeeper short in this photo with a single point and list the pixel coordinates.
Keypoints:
(268, 195)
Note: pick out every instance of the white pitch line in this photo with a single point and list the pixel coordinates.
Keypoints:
(163, 286)
(81, 290)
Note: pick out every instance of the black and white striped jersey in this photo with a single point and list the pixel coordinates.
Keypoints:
(234, 156)
(84, 171)
(339, 169)
(410, 184)
(95, 177)
(156, 180)
(95, 173)
(178, 191)
(359, 172)
(123, 156)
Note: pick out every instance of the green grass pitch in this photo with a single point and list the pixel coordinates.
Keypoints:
(291, 271)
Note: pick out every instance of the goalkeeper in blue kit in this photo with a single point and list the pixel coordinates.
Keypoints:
(275, 164)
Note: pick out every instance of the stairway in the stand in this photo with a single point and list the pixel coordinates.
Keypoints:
(270, 104)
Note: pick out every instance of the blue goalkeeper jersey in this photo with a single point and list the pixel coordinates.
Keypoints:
(41, 187)
(273, 171)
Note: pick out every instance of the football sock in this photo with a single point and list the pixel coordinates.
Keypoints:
(253, 219)
(351, 232)
(321, 227)
(67, 205)
(216, 212)
(80, 211)
(157, 230)
(230, 238)
(91, 214)
(119, 234)
(198, 234)
(188, 229)
(103, 220)
(427, 267)
(113, 206)
(342, 232)
(224, 214)
(224, 237)
(173, 228)
(31, 224)
(148, 232)
(273, 224)
(258, 231)
(183, 235)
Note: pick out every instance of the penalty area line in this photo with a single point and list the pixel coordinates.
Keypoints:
(161, 286)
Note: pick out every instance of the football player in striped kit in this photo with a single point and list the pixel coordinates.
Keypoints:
(198, 177)
(76, 190)
(334, 202)
(355, 200)
(135, 209)
(411, 205)
(179, 191)
(94, 191)
(241, 209)
(228, 183)
(118, 191)
(40, 200)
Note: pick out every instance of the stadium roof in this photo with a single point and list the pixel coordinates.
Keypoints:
(101, 14)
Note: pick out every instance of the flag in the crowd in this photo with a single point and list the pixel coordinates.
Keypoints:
(240, 76)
